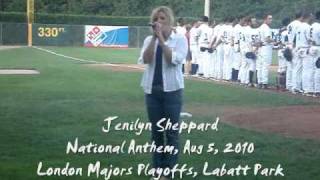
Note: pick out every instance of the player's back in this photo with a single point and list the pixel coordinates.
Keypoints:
(228, 29)
(315, 33)
(254, 35)
(194, 36)
(302, 35)
(292, 28)
(237, 33)
(244, 38)
(205, 33)
(219, 31)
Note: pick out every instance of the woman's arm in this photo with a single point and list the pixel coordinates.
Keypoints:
(148, 54)
(167, 52)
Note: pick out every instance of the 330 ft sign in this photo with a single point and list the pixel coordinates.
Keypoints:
(49, 32)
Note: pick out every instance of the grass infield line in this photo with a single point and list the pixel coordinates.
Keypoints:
(83, 60)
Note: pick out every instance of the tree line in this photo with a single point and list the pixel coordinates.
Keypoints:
(182, 8)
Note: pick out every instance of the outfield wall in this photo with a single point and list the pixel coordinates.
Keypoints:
(57, 35)
(72, 35)
(13, 34)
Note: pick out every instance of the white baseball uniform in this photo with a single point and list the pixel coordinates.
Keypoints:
(265, 55)
(219, 54)
(292, 28)
(228, 53)
(244, 48)
(291, 74)
(236, 38)
(302, 64)
(181, 30)
(205, 33)
(282, 63)
(253, 37)
(315, 37)
(194, 44)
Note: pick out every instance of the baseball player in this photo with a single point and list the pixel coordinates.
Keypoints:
(315, 52)
(213, 53)
(236, 48)
(180, 29)
(291, 72)
(227, 49)
(253, 40)
(217, 43)
(302, 64)
(283, 64)
(205, 33)
(244, 48)
(194, 47)
(265, 52)
(214, 40)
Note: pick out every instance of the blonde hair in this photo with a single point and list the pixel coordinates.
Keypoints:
(165, 10)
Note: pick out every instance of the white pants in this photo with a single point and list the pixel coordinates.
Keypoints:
(194, 54)
(205, 58)
(263, 63)
(227, 62)
(236, 60)
(252, 65)
(282, 62)
(289, 76)
(212, 63)
(317, 80)
(297, 69)
(201, 61)
(244, 69)
(315, 53)
(219, 63)
(308, 70)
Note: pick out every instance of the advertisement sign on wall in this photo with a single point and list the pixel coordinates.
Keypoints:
(106, 36)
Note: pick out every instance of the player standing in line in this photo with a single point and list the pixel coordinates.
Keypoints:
(315, 53)
(213, 41)
(265, 52)
(236, 48)
(205, 33)
(244, 48)
(217, 44)
(194, 47)
(302, 66)
(308, 64)
(284, 66)
(254, 42)
(227, 49)
(291, 73)
(315, 37)
(181, 29)
(213, 53)
(291, 28)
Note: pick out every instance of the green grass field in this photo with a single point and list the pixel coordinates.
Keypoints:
(39, 114)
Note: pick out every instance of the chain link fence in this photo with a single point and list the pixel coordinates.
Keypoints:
(137, 34)
(59, 35)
